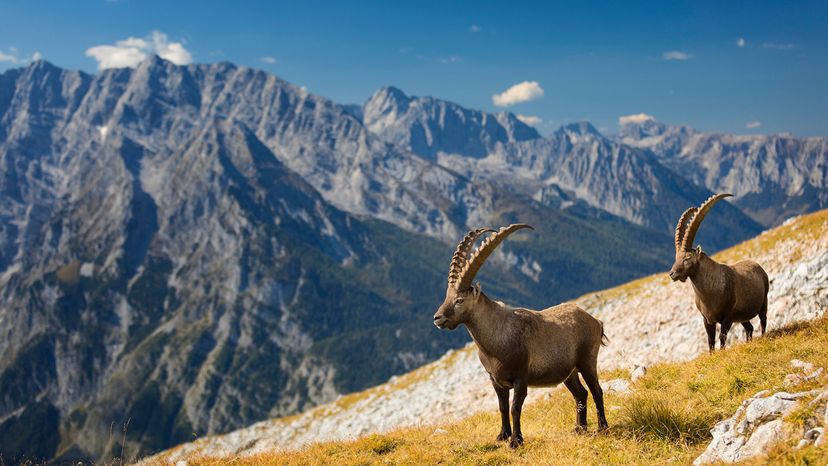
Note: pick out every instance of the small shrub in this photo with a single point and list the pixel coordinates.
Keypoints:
(381, 445)
(655, 418)
(737, 386)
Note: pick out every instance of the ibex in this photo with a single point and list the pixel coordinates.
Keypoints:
(518, 347)
(724, 294)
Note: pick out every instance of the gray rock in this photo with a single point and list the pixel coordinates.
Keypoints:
(619, 386)
(638, 372)
(792, 380)
(813, 434)
(755, 426)
(806, 367)
(764, 409)
(762, 439)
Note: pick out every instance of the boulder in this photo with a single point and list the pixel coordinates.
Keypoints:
(755, 426)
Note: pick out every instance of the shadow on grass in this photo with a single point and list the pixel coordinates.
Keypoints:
(791, 328)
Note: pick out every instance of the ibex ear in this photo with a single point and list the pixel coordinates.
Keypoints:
(476, 289)
(699, 250)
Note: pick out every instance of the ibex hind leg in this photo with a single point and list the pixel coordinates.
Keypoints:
(590, 375)
(748, 330)
(573, 383)
(763, 316)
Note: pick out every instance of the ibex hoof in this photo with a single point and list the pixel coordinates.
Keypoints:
(515, 442)
(502, 436)
(580, 430)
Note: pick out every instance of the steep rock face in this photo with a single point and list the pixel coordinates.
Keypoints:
(169, 268)
(182, 289)
(577, 163)
(189, 249)
(428, 126)
(771, 176)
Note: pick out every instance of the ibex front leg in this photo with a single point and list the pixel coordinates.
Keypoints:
(726, 324)
(517, 406)
(711, 335)
(503, 402)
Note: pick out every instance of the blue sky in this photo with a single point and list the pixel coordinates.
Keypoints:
(743, 67)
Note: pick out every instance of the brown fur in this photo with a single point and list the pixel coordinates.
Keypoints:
(521, 348)
(724, 294)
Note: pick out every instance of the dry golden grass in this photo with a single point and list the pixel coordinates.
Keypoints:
(666, 420)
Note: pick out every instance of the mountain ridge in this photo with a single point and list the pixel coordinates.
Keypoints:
(779, 170)
(199, 247)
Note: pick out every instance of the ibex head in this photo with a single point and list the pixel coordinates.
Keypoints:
(461, 296)
(687, 258)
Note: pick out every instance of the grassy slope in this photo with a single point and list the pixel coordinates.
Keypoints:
(666, 419)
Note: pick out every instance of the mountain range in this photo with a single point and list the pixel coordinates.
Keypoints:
(185, 250)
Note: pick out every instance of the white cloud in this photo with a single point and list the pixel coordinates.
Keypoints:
(753, 124)
(133, 50)
(529, 119)
(7, 57)
(741, 42)
(777, 46)
(521, 92)
(676, 55)
(13, 58)
(268, 59)
(637, 118)
(474, 28)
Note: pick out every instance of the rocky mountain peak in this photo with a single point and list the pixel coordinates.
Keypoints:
(640, 126)
(428, 126)
(388, 98)
(580, 129)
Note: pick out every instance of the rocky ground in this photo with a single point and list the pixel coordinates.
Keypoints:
(647, 321)
(761, 420)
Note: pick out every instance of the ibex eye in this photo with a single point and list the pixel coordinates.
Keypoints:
(458, 301)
